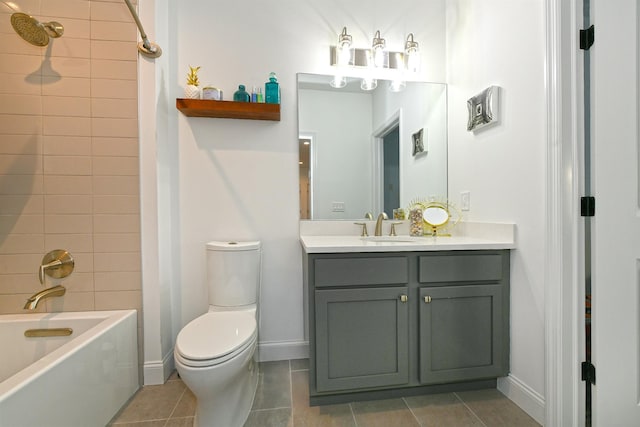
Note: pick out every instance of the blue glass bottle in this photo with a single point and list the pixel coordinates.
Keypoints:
(241, 95)
(272, 90)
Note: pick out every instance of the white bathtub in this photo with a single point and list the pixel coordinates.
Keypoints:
(81, 380)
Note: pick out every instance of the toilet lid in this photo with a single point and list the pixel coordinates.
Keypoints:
(215, 335)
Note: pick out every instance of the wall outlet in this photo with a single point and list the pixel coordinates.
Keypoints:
(465, 200)
(337, 206)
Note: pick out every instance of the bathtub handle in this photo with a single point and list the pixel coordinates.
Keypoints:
(57, 264)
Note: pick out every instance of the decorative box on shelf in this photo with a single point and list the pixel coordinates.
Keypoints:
(228, 109)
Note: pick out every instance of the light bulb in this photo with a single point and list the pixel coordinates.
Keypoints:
(377, 48)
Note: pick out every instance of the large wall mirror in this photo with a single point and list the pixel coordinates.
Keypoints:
(369, 151)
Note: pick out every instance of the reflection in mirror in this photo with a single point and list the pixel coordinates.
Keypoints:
(369, 151)
(435, 216)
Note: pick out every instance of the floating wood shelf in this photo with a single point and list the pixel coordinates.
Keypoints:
(228, 109)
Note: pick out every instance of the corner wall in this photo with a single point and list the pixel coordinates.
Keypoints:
(503, 166)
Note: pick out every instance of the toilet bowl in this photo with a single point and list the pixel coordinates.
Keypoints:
(214, 353)
(214, 356)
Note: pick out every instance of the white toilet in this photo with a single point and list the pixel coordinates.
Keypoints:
(214, 352)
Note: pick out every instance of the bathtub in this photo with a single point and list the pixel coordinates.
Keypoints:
(78, 380)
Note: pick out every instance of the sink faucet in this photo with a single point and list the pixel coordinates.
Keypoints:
(32, 302)
(381, 217)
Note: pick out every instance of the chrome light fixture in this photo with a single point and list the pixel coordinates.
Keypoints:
(412, 55)
(344, 55)
(344, 48)
(377, 49)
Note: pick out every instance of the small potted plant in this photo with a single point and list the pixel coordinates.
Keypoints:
(192, 90)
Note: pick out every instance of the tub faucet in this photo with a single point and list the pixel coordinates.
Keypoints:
(32, 302)
(381, 217)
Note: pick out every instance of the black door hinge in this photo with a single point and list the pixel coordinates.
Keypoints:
(587, 37)
(588, 373)
(587, 206)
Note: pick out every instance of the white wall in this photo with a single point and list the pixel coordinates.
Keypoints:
(238, 179)
(502, 42)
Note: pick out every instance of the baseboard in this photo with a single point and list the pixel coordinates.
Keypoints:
(524, 396)
(156, 372)
(282, 350)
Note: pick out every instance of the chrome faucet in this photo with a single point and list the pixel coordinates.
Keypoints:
(381, 217)
(32, 302)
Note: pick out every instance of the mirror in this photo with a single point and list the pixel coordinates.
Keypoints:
(369, 151)
(435, 216)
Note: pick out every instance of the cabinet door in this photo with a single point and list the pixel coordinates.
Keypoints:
(463, 333)
(361, 338)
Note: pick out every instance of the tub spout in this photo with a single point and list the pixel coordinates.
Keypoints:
(56, 291)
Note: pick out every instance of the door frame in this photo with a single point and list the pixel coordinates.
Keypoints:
(377, 139)
(564, 240)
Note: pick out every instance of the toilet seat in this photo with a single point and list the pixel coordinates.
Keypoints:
(215, 337)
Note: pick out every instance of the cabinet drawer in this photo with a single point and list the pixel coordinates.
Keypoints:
(460, 268)
(360, 271)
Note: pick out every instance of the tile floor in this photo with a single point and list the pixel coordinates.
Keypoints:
(282, 400)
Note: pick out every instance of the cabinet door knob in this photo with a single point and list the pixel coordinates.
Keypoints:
(427, 299)
(404, 298)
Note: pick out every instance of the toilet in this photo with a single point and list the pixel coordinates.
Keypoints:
(214, 353)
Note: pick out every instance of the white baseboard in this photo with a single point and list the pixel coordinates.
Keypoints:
(282, 350)
(524, 396)
(157, 371)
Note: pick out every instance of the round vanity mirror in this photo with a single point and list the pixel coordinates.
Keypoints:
(435, 216)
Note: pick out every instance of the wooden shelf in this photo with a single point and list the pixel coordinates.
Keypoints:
(228, 109)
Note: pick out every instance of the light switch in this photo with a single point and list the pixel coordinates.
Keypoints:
(465, 200)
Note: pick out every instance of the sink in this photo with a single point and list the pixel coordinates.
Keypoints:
(394, 239)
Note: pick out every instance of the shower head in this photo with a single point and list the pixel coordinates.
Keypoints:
(35, 32)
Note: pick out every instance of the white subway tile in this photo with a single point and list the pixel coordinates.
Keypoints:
(20, 263)
(67, 165)
(111, 88)
(107, 11)
(113, 31)
(19, 283)
(67, 185)
(72, 242)
(122, 51)
(116, 185)
(117, 262)
(114, 166)
(21, 244)
(71, 301)
(113, 69)
(21, 144)
(17, 84)
(116, 242)
(103, 223)
(67, 86)
(67, 145)
(21, 205)
(67, 126)
(21, 185)
(116, 204)
(114, 127)
(67, 67)
(78, 9)
(117, 281)
(113, 300)
(66, 106)
(17, 164)
(21, 224)
(123, 147)
(68, 204)
(21, 125)
(22, 64)
(68, 223)
(114, 108)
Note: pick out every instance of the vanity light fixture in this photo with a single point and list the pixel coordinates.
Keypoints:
(412, 54)
(344, 48)
(344, 55)
(377, 49)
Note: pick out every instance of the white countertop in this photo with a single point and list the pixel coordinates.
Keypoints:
(466, 236)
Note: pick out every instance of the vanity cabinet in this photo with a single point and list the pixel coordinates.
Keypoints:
(405, 321)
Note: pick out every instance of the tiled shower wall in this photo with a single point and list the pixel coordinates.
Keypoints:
(69, 156)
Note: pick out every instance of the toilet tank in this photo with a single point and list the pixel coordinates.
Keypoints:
(233, 273)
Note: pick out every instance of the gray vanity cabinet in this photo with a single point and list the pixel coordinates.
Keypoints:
(384, 324)
(460, 333)
(361, 338)
(463, 316)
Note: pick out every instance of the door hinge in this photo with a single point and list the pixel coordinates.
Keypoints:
(588, 373)
(587, 37)
(587, 206)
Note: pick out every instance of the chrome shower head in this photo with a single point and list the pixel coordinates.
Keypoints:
(34, 31)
